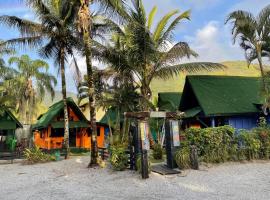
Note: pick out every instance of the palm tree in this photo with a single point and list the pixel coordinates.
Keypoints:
(6, 99)
(28, 73)
(145, 51)
(55, 29)
(85, 24)
(253, 33)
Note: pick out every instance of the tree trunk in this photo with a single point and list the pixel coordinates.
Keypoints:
(147, 95)
(265, 86)
(64, 93)
(85, 25)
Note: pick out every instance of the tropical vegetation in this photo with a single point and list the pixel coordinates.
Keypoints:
(36, 155)
(134, 51)
(253, 34)
(142, 52)
(31, 80)
(222, 144)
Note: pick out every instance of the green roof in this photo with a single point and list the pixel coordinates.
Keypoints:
(72, 124)
(47, 118)
(169, 101)
(8, 121)
(222, 95)
(192, 112)
(110, 117)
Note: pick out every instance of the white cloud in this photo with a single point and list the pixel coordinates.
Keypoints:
(212, 42)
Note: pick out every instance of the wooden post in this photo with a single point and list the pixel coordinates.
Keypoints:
(144, 164)
(194, 157)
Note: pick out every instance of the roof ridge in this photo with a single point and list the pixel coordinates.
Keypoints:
(223, 76)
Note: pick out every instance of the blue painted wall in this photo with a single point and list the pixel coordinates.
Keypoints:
(243, 122)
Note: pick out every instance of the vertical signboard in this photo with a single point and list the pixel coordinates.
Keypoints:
(175, 133)
(144, 131)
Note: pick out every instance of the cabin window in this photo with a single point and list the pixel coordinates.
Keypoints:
(58, 132)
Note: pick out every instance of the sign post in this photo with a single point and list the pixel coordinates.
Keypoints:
(144, 136)
(172, 131)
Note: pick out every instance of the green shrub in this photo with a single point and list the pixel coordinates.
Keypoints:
(214, 144)
(35, 155)
(157, 152)
(182, 158)
(250, 144)
(263, 135)
(118, 157)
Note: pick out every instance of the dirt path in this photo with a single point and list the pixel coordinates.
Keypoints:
(72, 180)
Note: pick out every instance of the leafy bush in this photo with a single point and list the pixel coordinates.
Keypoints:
(35, 155)
(118, 157)
(214, 144)
(250, 144)
(157, 152)
(223, 144)
(182, 158)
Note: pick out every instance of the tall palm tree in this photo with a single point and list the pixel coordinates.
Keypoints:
(29, 73)
(85, 24)
(253, 33)
(55, 29)
(144, 50)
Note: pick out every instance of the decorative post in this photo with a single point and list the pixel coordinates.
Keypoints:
(172, 141)
(145, 144)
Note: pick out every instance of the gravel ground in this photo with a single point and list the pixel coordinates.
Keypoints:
(70, 179)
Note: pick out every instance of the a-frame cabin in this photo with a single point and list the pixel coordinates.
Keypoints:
(49, 130)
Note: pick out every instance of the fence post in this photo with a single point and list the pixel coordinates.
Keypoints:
(194, 157)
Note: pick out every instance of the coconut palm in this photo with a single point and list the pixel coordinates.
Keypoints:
(85, 24)
(52, 36)
(6, 99)
(146, 51)
(29, 73)
(253, 33)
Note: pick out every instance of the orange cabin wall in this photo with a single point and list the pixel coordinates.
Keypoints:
(82, 139)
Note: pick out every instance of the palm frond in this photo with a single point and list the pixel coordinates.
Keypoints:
(168, 33)
(25, 27)
(169, 71)
(162, 25)
(151, 17)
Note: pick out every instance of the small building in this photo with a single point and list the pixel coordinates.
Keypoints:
(49, 129)
(210, 101)
(8, 126)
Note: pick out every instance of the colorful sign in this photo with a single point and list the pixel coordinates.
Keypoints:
(144, 131)
(175, 133)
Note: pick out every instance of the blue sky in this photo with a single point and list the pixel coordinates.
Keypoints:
(206, 32)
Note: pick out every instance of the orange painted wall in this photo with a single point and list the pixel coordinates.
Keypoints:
(82, 139)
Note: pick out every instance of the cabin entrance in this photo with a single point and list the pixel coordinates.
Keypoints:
(72, 137)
